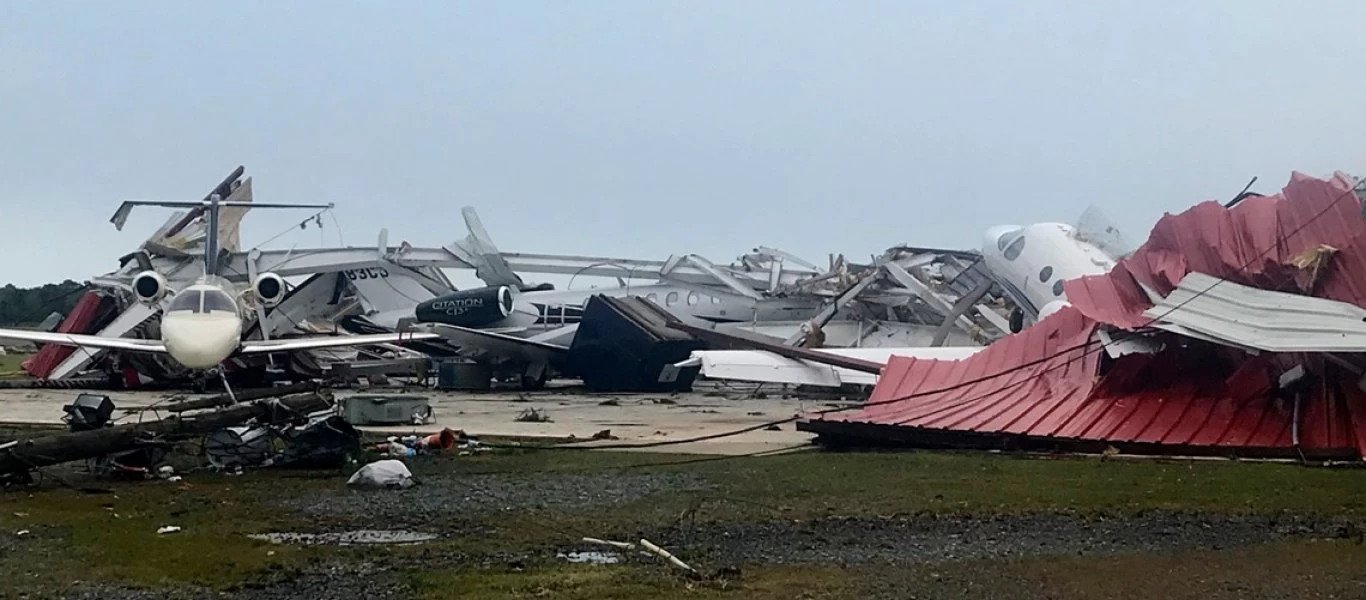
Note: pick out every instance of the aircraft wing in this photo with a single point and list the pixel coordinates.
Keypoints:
(766, 367)
(315, 342)
(492, 342)
(85, 341)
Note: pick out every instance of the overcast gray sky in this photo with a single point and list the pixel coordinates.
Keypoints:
(640, 129)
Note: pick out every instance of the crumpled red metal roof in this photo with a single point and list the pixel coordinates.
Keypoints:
(1252, 243)
(1037, 399)
(1045, 385)
(1198, 399)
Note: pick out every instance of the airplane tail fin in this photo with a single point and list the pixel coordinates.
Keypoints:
(1095, 228)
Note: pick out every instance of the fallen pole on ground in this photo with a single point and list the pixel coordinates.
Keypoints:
(227, 399)
(25, 455)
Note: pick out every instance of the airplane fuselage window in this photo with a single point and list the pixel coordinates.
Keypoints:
(692, 298)
(671, 299)
(1045, 274)
(652, 297)
(1057, 288)
(715, 300)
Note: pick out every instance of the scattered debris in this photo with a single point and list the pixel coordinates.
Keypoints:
(88, 411)
(347, 538)
(442, 441)
(391, 474)
(664, 554)
(590, 557)
(128, 445)
(168, 529)
(531, 415)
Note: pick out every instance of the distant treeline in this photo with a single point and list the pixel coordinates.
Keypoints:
(29, 306)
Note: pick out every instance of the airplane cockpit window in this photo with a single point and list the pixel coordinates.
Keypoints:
(1015, 247)
(1008, 237)
(1057, 288)
(187, 301)
(1045, 274)
(218, 301)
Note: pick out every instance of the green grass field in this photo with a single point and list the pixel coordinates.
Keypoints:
(111, 536)
(9, 363)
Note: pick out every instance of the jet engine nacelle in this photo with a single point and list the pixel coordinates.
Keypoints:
(150, 287)
(468, 308)
(269, 288)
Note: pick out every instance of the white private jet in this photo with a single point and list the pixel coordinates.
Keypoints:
(1031, 262)
(201, 325)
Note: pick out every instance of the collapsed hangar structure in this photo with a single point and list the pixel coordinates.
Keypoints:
(1236, 329)
(906, 297)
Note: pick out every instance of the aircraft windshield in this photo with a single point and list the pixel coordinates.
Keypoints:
(187, 301)
(202, 301)
(218, 301)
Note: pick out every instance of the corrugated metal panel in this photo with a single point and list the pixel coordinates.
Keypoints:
(1252, 243)
(1035, 399)
(81, 319)
(1183, 399)
(1262, 319)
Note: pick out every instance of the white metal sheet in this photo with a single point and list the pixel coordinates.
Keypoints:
(766, 367)
(1266, 320)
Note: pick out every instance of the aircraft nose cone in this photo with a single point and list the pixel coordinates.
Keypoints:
(200, 341)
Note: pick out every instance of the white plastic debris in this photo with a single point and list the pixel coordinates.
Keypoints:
(21, 533)
(383, 473)
(168, 529)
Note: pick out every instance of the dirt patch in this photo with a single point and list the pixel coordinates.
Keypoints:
(453, 498)
(337, 581)
(848, 541)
